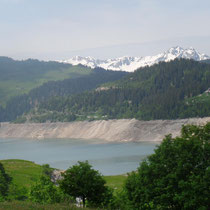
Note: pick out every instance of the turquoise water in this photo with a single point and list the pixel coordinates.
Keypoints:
(108, 158)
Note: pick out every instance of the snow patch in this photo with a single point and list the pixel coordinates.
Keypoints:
(130, 64)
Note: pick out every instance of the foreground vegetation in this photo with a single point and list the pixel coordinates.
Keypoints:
(176, 176)
(24, 173)
(28, 205)
(116, 182)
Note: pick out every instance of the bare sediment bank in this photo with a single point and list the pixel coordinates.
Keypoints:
(110, 130)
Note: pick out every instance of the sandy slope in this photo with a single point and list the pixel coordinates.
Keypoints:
(111, 130)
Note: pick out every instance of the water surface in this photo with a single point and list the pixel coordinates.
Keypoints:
(108, 158)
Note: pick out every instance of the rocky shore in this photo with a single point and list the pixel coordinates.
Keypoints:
(110, 130)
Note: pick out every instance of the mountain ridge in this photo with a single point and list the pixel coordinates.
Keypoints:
(130, 64)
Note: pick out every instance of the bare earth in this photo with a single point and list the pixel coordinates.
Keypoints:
(110, 130)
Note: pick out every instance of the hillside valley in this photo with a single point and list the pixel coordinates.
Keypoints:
(175, 89)
(77, 79)
(168, 90)
(19, 77)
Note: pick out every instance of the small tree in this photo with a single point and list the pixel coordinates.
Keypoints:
(82, 181)
(177, 175)
(17, 192)
(5, 180)
(44, 191)
(46, 170)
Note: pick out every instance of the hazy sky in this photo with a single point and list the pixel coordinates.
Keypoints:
(58, 29)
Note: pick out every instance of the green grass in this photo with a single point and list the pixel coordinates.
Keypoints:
(26, 205)
(203, 98)
(116, 182)
(24, 173)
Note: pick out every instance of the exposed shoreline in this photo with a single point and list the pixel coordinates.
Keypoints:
(124, 130)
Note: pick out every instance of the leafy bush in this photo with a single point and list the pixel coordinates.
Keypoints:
(44, 191)
(46, 170)
(17, 193)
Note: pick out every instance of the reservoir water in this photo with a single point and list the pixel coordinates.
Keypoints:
(108, 158)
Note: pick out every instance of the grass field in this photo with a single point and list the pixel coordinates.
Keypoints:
(25, 173)
(116, 182)
(25, 205)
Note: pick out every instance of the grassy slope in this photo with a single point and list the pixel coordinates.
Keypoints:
(203, 98)
(197, 105)
(116, 182)
(25, 173)
(25, 205)
(14, 86)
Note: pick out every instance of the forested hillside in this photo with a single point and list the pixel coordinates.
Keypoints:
(164, 91)
(18, 105)
(19, 77)
(206, 61)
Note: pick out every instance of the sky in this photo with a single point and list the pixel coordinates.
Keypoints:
(60, 29)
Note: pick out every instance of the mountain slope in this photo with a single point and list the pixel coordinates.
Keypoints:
(132, 63)
(156, 92)
(18, 105)
(206, 61)
(19, 77)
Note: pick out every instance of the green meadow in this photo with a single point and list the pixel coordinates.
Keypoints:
(25, 173)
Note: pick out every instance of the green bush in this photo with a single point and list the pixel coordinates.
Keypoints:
(17, 193)
(45, 192)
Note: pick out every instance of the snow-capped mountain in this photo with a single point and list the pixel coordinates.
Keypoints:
(130, 64)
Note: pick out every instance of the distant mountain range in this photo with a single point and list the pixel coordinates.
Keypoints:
(130, 64)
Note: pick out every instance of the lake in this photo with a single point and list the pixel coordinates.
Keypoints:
(108, 158)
